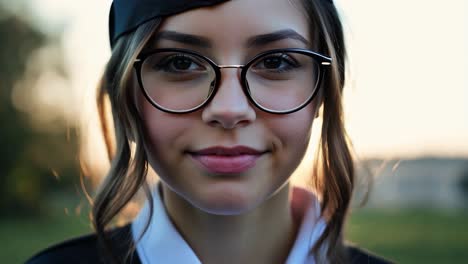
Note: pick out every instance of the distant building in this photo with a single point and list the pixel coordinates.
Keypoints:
(427, 182)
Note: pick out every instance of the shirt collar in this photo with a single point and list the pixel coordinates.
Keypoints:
(162, 243)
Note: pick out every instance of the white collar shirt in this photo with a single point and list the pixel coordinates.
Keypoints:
(163, 244)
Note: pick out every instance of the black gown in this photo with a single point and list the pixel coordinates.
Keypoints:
(85, 250)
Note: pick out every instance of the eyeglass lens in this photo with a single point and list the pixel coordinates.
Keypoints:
(180, 81)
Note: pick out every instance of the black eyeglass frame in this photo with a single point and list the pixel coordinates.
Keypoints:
(323, 61)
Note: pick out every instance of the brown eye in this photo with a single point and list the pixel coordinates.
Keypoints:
(272, 63)
(276, 62)
(181, 63)
(176, 63)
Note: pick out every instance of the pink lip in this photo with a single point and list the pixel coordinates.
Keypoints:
(227, 160)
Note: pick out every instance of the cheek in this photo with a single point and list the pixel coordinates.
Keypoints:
(293, 130)
(291, 134)
(162, 132)
(161, 129)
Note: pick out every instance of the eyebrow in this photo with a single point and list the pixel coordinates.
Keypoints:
(254, 41)
(192, 40)
(261, 40)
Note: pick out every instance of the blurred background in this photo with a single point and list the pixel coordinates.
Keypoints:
(406, 109)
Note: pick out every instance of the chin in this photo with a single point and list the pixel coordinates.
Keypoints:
(227, 201)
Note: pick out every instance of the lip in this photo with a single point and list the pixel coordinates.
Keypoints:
(226, 160)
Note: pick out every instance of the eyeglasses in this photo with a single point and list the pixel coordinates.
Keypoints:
(279, 81)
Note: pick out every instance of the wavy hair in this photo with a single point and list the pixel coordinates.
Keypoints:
(333, 174)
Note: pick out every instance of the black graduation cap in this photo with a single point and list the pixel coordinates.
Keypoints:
(127, 15)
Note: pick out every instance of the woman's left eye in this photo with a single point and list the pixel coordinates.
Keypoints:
(279, 62)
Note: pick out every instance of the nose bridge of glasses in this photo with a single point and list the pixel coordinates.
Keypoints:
(232, 66)
(230, 79)
(237, 73)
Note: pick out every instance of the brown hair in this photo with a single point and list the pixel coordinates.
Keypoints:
(333, 176)
(333, 170)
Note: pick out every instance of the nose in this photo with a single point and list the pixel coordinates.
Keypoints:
(230, 107)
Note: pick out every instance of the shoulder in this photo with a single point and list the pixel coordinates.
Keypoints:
(84, 249)
(358, 255)
(78, 250)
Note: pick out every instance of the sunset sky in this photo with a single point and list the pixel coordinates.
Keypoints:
(407, 94)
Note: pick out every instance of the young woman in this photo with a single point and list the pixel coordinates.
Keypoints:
(219, 98)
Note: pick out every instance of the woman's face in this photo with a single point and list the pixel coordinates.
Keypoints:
(228, 180)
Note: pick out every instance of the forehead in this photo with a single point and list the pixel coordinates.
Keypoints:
(229, 24)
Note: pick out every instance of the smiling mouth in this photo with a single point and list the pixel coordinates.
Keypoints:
(223, 160)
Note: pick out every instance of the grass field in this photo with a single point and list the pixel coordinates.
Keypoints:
(412, 236)
(405, 236)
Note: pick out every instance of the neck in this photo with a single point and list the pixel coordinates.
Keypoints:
(263, 235)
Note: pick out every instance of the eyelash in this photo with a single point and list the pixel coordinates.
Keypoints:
(292, 63)
(165, 62)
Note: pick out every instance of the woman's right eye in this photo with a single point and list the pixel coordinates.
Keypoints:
(177, 63)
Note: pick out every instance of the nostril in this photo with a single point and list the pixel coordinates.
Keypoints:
(225, 124)
(214, 123)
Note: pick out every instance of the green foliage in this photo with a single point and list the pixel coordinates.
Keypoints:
(23, 237)
(28, 158)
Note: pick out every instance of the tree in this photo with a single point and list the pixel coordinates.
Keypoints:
(30, 160)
